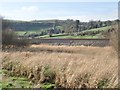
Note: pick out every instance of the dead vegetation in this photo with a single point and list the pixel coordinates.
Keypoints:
(73, 66)
(114, 38)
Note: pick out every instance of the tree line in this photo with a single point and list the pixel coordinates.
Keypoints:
(25, 25)
(50, 27)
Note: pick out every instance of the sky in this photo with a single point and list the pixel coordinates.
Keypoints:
(83, 11)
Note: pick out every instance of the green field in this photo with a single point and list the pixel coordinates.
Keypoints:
(67, 36)
(22, 33)
(27, 32)
(99, 29)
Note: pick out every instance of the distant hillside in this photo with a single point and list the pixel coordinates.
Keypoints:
(22, 26)
(47, 24)
(48, 21)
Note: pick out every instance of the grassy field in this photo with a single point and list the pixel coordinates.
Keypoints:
(66, 36)
(27, 32)
(100, 29)
(63, 35)
(64, 66)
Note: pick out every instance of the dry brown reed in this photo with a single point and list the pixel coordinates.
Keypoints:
(91, 67)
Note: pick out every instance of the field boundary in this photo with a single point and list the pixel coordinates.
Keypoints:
(73, 42)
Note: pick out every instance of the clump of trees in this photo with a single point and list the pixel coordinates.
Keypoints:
(71, 26)
(75, 26)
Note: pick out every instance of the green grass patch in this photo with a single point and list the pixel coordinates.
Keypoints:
(22, 82)
(67, 36)
(24, 33)
(14, 82)
(102, 84)
(48, 86)
(28, 32)
(99, 29)
(0, 85)
(0, 71)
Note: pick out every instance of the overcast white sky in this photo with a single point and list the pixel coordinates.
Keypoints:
(39, 10)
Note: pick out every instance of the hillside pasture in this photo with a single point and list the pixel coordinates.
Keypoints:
(64, 35)
(100, 29)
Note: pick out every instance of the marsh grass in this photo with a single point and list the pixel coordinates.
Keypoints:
(82, 67)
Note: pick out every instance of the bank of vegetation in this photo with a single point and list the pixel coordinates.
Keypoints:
(62, 66)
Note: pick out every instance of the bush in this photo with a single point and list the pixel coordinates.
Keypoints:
(9, 38)
(21, 42)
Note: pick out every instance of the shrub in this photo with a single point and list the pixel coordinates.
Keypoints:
(9, 38)
(21, 42)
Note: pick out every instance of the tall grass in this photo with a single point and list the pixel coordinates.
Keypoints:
(114, 38)
(90, 67)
